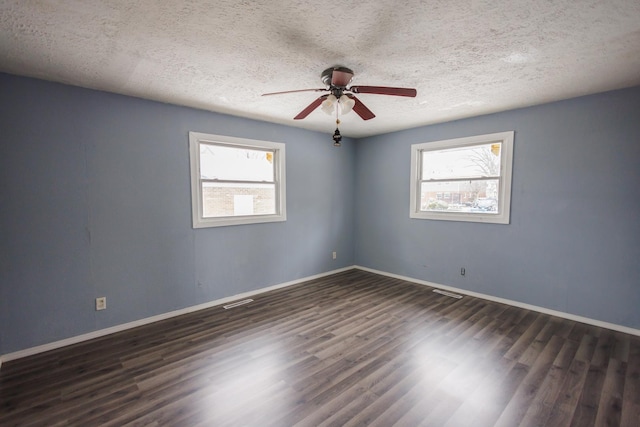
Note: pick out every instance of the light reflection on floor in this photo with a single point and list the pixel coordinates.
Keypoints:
(448, 382)
(243, 394)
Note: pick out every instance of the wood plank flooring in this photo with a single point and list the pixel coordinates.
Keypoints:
(350, 349)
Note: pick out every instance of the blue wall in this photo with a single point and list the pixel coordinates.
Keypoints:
(95, 201)
(573, 244)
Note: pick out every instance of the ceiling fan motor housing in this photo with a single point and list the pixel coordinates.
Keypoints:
(327, 74)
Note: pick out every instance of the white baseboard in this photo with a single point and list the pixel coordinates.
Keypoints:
(569, 316)
(118, 328)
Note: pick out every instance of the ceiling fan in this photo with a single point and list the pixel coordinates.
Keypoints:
(336, 80)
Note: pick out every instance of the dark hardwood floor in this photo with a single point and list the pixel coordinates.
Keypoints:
(350, 349)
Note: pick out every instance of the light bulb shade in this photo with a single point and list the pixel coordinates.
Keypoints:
(346, 104)
(327, 104)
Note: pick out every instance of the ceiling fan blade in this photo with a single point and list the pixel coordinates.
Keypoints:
(315, 104)
(361, 109)
(383, 90)
(340, 78)
(293, 91)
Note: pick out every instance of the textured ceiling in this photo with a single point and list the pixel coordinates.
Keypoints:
(465, 58)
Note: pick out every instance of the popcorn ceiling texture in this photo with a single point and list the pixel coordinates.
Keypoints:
(464, 58)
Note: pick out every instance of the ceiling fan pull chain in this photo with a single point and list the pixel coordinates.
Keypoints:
(337, 138)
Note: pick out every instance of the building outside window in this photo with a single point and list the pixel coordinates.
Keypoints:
(236, 181)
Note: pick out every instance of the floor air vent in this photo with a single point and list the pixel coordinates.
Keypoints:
(237, 303)
(449, 294)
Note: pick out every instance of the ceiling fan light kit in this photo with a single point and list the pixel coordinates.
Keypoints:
(344, 104)
(341, 98)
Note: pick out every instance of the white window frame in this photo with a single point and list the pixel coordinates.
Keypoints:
(195, 139)
(504, 203)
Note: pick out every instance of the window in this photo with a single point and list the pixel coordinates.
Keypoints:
(464, 179)
(236, 181)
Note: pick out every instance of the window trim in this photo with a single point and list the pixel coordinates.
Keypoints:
(506, 165)
(198, 221)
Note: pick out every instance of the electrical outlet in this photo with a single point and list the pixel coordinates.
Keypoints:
(101, 303)
(335, 255)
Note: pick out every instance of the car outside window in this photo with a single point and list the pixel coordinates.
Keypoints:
(463, 179)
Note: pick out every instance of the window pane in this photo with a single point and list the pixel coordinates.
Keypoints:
(235, 164)
(479, 196)
(225, 199)
(463, 162)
